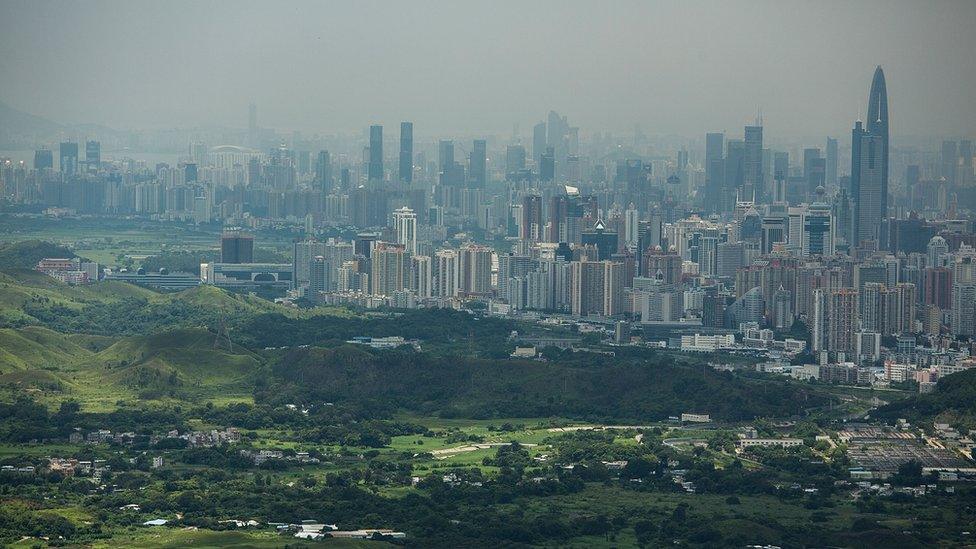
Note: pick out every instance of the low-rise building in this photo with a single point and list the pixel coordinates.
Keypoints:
(706, 343)
(770, 442)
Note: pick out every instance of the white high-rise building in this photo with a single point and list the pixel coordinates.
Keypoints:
(938, 250)
(631, 231)
(405, 227)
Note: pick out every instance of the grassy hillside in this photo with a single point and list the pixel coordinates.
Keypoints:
(26, 297)
(182, 364)
(35, 347)
(112, 308)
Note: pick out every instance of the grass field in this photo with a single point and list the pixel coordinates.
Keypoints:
(105, 240)
(174, 538)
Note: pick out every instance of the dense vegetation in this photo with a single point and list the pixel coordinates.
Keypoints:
(459, 386)
(953, 401)
(25, 254)
(434, 327)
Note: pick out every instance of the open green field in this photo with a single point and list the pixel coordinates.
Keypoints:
(106, 240)
(175, 538)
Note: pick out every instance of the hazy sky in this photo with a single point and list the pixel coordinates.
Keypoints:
(673, 67)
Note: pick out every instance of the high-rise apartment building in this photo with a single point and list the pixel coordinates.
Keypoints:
(405, 228)
(389, 269)
(475, 269)
(842, 321)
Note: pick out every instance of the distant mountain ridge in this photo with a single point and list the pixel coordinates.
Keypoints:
(15, 125)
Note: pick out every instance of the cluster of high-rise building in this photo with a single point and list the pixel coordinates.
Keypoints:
(860, 242)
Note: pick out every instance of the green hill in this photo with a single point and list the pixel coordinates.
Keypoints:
(184, 361)
(953, 401)
(590, 387)
(35, 347)
(28, 297)
(181, 364)
(25, 254)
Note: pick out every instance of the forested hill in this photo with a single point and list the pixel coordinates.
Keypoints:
(585, 386)
(26, 253)
(953, 401)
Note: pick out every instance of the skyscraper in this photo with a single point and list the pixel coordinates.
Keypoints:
(872, 160)
(596, 287)
(69, 158)
(818, 320)
(714, 144)
(406, 152)
(323, 171)
(950, 155)
(818, 230)
(811, 172)
(374, 170)
(966, 162)
(606, 241)
(781, 174)
(421, 275)
(445, 161)
(532, 226)
(405, 228)
(867, 184)
(538, 142)
(478, 164)
(43, 159)
(474, 269)
(93, 154)
(841, 320)
(547, 165)
(447, 272)
(752, 164)
(389, 269)
(514, 159)
(831, 162)
(734, 176)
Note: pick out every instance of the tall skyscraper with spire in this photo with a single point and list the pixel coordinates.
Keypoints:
(877, 123)
(869, 166)
(752, 164)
